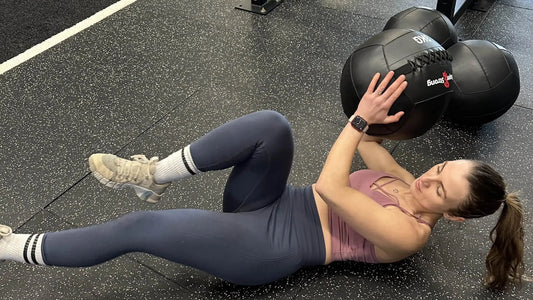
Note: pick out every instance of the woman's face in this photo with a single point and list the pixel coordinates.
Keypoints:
(444, 186)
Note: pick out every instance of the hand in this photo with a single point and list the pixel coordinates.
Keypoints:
(375, 104)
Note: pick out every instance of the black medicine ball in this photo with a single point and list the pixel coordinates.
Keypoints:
(487, 82)
(428, 71)
(426, 20)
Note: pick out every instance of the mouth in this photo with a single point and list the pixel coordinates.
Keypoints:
(417, 184)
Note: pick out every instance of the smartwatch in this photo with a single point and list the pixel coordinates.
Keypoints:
(359, 123)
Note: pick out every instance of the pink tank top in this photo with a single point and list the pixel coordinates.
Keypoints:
(346, 243)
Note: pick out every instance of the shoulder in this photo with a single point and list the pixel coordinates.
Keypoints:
(410, 237)
(394, 170)
(402, 174)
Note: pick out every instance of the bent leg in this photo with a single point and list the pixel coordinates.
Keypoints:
(260, 148)
(235, 247)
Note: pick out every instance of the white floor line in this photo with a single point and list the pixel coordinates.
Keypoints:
(65, 34)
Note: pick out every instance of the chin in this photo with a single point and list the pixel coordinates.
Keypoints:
(412, 188)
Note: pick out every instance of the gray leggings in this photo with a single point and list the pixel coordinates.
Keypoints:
(267, 230)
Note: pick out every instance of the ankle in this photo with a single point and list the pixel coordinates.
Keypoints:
(176, 166)
(22, 248)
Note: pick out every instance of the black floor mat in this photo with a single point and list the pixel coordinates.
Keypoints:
(25, 23)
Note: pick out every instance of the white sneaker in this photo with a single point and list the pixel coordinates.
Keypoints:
(138, 173)
(5, 231)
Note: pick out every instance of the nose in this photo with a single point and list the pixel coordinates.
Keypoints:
(426, 180)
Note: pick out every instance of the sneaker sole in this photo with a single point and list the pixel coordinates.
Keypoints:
(143, 193)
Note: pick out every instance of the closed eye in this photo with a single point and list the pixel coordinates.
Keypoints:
(441, 167)
(439, 170)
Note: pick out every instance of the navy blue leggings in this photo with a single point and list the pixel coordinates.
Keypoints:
(267, 230)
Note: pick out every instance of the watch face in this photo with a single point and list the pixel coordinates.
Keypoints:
(359, 123)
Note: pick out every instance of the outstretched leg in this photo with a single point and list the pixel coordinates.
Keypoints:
(243, 248)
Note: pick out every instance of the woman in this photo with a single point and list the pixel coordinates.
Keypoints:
(268, 230)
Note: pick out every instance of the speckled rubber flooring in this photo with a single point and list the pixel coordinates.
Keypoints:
(160, 73)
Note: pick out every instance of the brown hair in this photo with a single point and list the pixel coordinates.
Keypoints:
(487, 193)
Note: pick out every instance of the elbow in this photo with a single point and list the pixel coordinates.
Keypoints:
(321, 188)
(330, 188)
(325, 189)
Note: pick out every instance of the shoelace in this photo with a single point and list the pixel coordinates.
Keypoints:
(133, 172)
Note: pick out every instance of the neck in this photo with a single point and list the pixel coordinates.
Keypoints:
(414, 206)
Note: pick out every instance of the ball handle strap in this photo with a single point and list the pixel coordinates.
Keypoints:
(422, 60)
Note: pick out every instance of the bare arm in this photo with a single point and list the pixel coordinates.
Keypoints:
(378, 158)
(377, 224)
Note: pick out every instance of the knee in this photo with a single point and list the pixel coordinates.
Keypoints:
(136, 221)
(276, 122)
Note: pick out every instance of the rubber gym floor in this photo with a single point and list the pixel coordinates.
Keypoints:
(158, 74)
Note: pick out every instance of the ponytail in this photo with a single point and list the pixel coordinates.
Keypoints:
(505, 258)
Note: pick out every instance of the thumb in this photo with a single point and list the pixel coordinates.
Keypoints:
(394, 118)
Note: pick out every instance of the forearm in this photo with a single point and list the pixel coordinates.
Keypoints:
(333, 182)
(359, 211)
(336, 170)
(374, 155)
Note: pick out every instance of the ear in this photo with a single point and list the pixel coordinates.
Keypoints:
(454, 218)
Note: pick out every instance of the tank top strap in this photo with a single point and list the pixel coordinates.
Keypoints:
(417, 216)
(392, 197)
(396, 201)
(393, 179)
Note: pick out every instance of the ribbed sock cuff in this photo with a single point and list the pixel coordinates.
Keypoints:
(176, 166)
(22, 248)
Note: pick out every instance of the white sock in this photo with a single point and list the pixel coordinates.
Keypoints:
(22, 248)
(176, 166)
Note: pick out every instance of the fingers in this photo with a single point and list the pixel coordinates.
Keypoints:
(383, 85)
(382, 88)
(396, 89)
(373, 83)
(394, 86)
(376, 102)
(391, 94)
